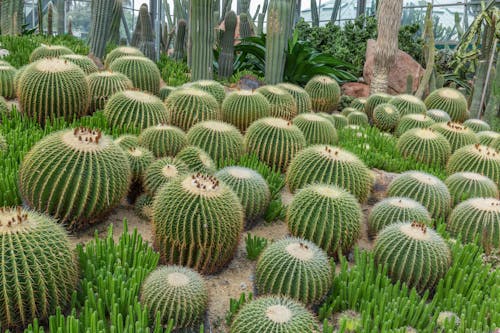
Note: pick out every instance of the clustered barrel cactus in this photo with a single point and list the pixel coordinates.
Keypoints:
(465, 185)
(282, 104)
(411, 121)
(449, 100)
(214, 88)
(457, 134)
(161, 172)
(348, 110)
(358, 118)
(85, 63)
(439, 116)
(127, 141)
(103, 85)
(242, 108)
(408, 104)
(339, 120)
(425, 145)
(374, 100)
(49, 51)
(477, 125)
(316, 129)
(139, 160)
(122, 51)
(359, 103)
(7, 84)
(163, 140)
(197, 160)
(487, 138)
(302, 98)
(324, 92)
(143, 72)
(386, 117)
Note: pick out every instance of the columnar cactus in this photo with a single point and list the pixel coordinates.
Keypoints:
(477, 218)
(359, 103)
(116, 19)
(404, 248)
(147, 37)
(330, 165)
(296, 268)
(327, 215)
(396, 210)
(103, 85)
(477, 125)
(222, 141)
(122, 51)
(324, 92)
(449, 100)
(457, 134)
(476, 158)
(214, 88)
(466, 185)
(425, 145)
(39, 269)
(226, 57)
(162, 172)
(439, 116)
(175, 293)
(486, 138)
(74, 175)
(267, 314)
(7, 84)
(143, 72)
(102, 15)
(408, 104)
(427, 189)
(197, 160)
(50, 18)
(61, 91)
(139, 160)
(243, 107)
(412, 121)
(374, 100)
(245, 26)
(49, 51)
(197, 223)
(11, 17)
(201, 38)
(275, 141)
(127, 141)
(135, 109)
(163, 140)
(180, 40)
(85, 63)
(316, 129)
(250, 187)
(339, 120)
(189, 106)
(282, 103)
(386, 117)
(302, 98)
(358, 118)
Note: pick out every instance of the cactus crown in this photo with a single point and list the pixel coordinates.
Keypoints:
(425, 133)
(279, 314)
(312, 117)
(13, 220)
(455, 127)
(415, 230)
(486, 152)
(423, 177)
(239, 172)
(54, 65)
(486, 204)
(277, 122)
(300, 251)
(202, 185)
(170, 171)
(218, 126)
(334, 153)
(86, 139)
(140, 96)
(449, 93)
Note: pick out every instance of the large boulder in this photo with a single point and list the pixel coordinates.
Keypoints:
(356, 89)
(404, 65)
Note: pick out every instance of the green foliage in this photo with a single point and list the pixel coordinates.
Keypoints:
(243, 107)
(282, 104)
(143, 72)
(174, 73)
(457, 135)
(197, 160)
(449, 100)
(316, 129)
(425, 145)
(386, 117)
(465, 185)
(161, 172)
(324, 92)
(103, 85)
(254, 245)
(163, 140)
(122, 51)
(85, 63)
(235, 306)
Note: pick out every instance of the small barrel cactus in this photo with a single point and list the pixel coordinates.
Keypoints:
(477, 217)
(143, 207)
(85, 63)
(386, 117)
(273, 314)
(395, 210)
(197, 223)
(487, 138)
(214, 88)
(74, 175)
(408, 104)
(427, 189)
(457, 134)
(189, 106)
(326, 215)
(302, 98)
(197, 160)
(122, 51)
(4, 107)
(358, 118)
(425, 145)
(449, 100)
(127, 141)
(316, 129)
(161, 172)
(295, 268)
(241, 108)
(466, 185)
(175, 293)
(49, 51)
(103, 85)
(282, 104)
(374, 100)
(139, 159)
(477, 125)
(405, 249)
(348, 110)
(17, 78)
(7, 82)
(39, 269)
(439, 116)
(61, 91)
(135, 109)
(330, 165)
(339, 120)
(163, 140)
(359, 103)
(476, 158)
(143, 72)
(324, 92)
(275, 141)
(165, 92)
(222, 141)
(250, 187)
(411, 121)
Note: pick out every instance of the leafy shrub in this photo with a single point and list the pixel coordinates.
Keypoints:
(174, 73)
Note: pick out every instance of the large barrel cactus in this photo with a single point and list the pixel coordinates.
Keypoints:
(139, 159)
(197, 160)
(49, 51)
(316, 129)
(243, 107)
(477, 125)
(212, 87)
(374, 100)
(408, 104)
(359, 103)
(411, 121)
(487, 137)
(425, 145)
(439, 116)
(358, 118)
(7, 82)
(161, 172)
(449, 100)
(122, 51)
(386, 117)
(466, 185)
(457, 134)
(282, 104)
(85, 63)
(163, 140)
(143, 72)
(74, 175)
(324, 92)
(103, 85)
(302, 98)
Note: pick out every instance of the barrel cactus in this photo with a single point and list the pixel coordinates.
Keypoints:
(74, 175)
(296, 268)
(302, 98)
(4, 107)
(408, 104)
(496, 144)
(316, 129)
(127, 141)
(339, 120)
(222, 141)
(466, 185)
(458, 135)
(241, 108)
(103, 85)
(330, 165)
(327, 215)
(250, 187)
(439, 116)
(197, 222)
(273, 313)
(348, 110)
(139, 160)
(175, 293)
(396, 210)
(425, 145)
(275, 141)
(359, 103)
(189, 106)
(143, 207)
(143, 72)
(17, 78)
(324, 92)
(486, 138)
(411, 121)
(197, 160)
(122, 51)
(476, 158)
(405, 249)
(161, 172)
(358, 118)
(282, 104)
(477, 218)
(163, 140)
(374, 100)
(85, 63)
(49, 51)
(135, 109)
(39, 269)
(449, 100)
(165, 91)
(7, 82)
(427, 189)
(386, 117)
(214, 88)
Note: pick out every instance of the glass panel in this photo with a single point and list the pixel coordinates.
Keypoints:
(445, 29)
(79, 12)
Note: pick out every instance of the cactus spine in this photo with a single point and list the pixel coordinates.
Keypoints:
(226, 57)
(102, 11)
(201, 37)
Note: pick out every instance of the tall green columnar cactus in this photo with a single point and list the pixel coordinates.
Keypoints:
(201, 38)
(260, 24)
(243, 6)
(245, 26)
(99, 28)
(314, 14)
(226, 57)
(147, 37)
(39, 17)
(61, 16)
(278, 21)
(50, 18)
(11, 17)
(180, 40)
(114, 29)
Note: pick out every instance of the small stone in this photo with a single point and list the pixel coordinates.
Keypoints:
(243, 286)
